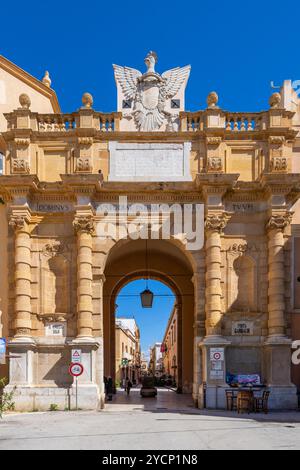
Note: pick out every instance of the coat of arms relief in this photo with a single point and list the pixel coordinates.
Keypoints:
(149, 99)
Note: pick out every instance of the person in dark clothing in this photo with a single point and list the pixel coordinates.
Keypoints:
(109, 388)
(105, 384)
(128, 385)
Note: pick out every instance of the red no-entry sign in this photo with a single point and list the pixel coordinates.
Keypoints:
(76, 369)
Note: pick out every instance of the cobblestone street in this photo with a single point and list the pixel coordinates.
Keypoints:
(168, 422)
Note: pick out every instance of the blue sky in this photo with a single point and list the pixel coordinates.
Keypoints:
(152, 322)
(235, 48)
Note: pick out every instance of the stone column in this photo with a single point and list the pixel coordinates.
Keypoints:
(214, 225)
(276, 307)
(277, 348)
(212, 390)
(84, 228)
(22, 320)
(22, 346)
(198, 280)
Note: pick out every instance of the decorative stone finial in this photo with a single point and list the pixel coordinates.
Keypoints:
(24, 101)
(212, 99)
(275, 100)
(87, 100)
(47, 80)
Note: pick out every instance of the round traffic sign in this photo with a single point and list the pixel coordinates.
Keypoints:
(217, 356)
(76, 369)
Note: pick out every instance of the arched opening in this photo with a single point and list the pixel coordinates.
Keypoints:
(143, 342)
(168, 264)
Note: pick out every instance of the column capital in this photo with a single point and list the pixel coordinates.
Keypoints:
(216, 222)
(279, 221)
(83, 224)
(18, 222)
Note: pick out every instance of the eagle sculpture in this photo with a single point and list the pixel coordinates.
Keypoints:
(150, 91)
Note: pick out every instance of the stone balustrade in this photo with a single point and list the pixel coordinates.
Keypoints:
(229, 121)
(191, 122)
(56, 122)
(188, 121)
(240, 122)
(104, 122)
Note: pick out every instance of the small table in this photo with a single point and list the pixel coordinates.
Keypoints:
(244, 397)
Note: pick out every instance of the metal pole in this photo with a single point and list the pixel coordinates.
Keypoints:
(76, 394)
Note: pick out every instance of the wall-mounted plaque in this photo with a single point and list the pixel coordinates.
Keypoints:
(242, 327)
(57, 329)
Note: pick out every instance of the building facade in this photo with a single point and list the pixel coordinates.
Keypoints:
(237, 295)
(170, 347)
(128, 351)
(156, 360)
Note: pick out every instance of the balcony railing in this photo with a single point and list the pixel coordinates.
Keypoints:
(239, 122)
(105, 122)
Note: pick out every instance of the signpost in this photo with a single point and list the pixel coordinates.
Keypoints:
(76, 369)
(76, 356)
(2, 350)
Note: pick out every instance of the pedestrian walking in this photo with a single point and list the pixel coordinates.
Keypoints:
(109, 388)
(128, 386)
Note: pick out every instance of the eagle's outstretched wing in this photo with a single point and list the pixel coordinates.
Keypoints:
(175, 78)
(126, 77)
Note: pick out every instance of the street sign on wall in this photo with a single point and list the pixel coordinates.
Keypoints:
(76, 356)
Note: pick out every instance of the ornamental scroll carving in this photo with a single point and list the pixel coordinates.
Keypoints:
(83, 224)
(19, 165)
(216, 222)
(213, 140)
(280, 221)
(84, 164)
(279, 164)
(17, 222)
(53, 249)
(214, 164)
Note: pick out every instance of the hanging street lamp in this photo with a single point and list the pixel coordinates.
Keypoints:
(147, 295)
(147, 298)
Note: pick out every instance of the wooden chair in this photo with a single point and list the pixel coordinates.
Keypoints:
(245, 402)
(231, 400)
(261, 403)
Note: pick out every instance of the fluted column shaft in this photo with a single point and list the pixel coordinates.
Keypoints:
(213, 291)
(84, 228)
(22, 321)
(276, 290)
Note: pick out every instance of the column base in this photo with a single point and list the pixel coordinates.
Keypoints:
(43, 398)
(283, 398)
(212, 397)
